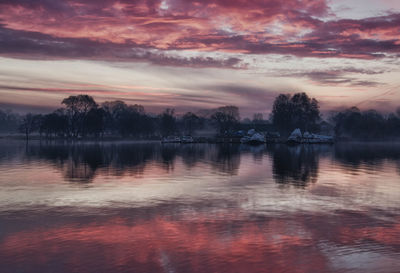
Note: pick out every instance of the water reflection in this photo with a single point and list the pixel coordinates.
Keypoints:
(294, 165)
(235, 242)
(81, 162)
(369, 155)
(147, 207)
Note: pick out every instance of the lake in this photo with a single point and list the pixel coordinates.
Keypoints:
(148, 207)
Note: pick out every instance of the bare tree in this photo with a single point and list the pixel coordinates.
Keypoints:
(77, 109)
(258, 118)
(191, 122)
(226, 118)
(29, 124)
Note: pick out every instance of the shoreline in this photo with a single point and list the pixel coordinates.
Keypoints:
(211, 140)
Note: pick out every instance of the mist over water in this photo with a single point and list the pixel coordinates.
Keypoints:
(147, 207)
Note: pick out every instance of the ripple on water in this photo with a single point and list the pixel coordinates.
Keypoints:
(193, 208)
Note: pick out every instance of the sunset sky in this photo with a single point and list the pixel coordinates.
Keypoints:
(192, 55)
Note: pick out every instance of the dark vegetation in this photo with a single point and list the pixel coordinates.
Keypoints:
(297, 111)
(82, 117)
(353, 123)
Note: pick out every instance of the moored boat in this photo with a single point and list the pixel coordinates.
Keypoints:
(187, 139)
(171, 139)
(296, 137)
(253, 137)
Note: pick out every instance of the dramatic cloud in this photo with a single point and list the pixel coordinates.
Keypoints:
(223, 51)
(23, 44)
(102, 29)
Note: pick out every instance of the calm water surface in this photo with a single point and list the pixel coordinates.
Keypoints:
(147, 207)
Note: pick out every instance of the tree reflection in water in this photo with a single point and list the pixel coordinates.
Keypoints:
(226, 159)
(296, 165)
(199, 208)
(371, 155)
(291, 165)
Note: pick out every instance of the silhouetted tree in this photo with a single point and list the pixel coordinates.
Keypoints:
(258, 118)
(297, 111)
(55, 124)
(373, 123)
(130, 120)
(191, 122)
(345, 120)
(393, 125)
(29, 124)
(9, 121)
(82, 117)
(77, 109)
(126, 120)
(168, 122)
(94, 121)
(226, 118)
(112, 111)
(365, 125)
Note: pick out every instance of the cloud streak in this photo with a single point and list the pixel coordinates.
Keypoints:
(334, 77)
(130, 30)
(219, 51)
(35, 45)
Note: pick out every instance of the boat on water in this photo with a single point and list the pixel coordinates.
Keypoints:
(171, 139)
(177, 139)
(296, 137)
(187, 139)
(253, 138)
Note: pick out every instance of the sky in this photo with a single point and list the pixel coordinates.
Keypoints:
(192, 55)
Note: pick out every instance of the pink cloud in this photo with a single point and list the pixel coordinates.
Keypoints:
(259, 27)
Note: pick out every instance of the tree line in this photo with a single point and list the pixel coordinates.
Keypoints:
(81, 116)
(301, 111)
(370, 124)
